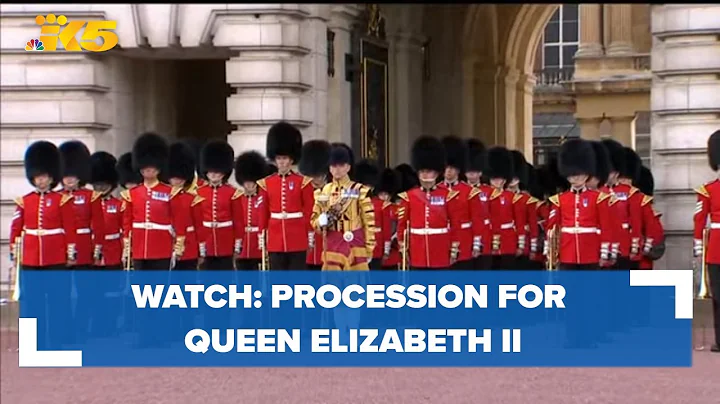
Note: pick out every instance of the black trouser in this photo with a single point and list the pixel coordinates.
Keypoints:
(462, 265)
(248, 264)
(483, 262)
(149, 265)
(376, 264)
(219, 263)
(579, 267)
(503, 262)
(283, 261)
(389, 267)
(314, 267)
(714, 275)
(52, 308)
(186, 265)
(626, 263)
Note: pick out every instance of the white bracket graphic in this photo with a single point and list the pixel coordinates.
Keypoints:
(681, 280)
(30, 357)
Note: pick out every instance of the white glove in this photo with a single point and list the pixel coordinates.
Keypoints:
(323, 220)
(648, 246)
(311, 239)
(697, 247)
(604, 251)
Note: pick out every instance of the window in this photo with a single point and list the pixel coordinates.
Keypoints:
(561, 38)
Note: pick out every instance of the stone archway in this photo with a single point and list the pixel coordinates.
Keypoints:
(500, 42)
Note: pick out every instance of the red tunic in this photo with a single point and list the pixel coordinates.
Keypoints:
(286, 215)
(625, 207)
(221, 231)
(247, 209)
(88, 224)
(531, 226)
(48, 222)
(113, 222)
(188, 210)
(542, 213)
(314, 254)
(390, 217)
(465, 233)
(480, 213)
(653, 231)
(382, 229)
(505, 217)
(707, 210)
(432, 219)
(581, 218)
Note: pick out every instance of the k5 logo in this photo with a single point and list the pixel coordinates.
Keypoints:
(50, 34)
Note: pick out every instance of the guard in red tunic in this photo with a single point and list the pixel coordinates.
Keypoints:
(598, 181)
(128, 178)
(505, 214)
(187, 210)
(386, 188)
(479, 204)
(222, 241)
(456, 161)
(653, 231)
(518, 186)
(580, 216)
(248, 206)
(429, 213)
(707, 218)
(104, 181)
(533, 247)
(289, 197)
(314, 164)
(152, 237)
(77, 172)
(368, 174)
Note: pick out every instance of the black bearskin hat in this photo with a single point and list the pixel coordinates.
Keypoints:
(250, 166)
(428, 153)
(315, 158)
(103, 168)
(150, 150)
(196, 145)
(217, 156)
(617, 155)
(125, 171)
(632, 165)
(350, 153)
(181, 162)
(499, 163)
(535, 186)
(367, 172)
(456, 153)
(340, 154)
(559, 183)
(520, 170)
(407, 176)
(76, 160)
(476, 155)
(646, 182)
(576, 157)
(713, 150)
(388, 181)
(603, 166)
(43, 157)
(270, 169)
(284, 139)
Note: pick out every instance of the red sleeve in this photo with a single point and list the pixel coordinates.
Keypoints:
(197, 213)
(520, 215)
(454, 209)
(702, 209)
(97, 220)
(308, 201)
(18, 221)
(68, 220)
(478, 217)
(605, 224)
(636, 222)
(238, 216)
(387, 219)
(264, 214)
(403, 217)
(179, 214)
(532, 221)
(554, 215)
(126, 209)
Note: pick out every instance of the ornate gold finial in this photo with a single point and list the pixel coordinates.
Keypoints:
(376, 22)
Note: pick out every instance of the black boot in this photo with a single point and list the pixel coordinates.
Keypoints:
(715, 348)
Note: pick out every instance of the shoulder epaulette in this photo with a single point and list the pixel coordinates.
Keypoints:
(125, 194)
(702, 191)
(20, 201)
(517, 197)
(175, 190)
(633, 190)
(404, 196)
(495, 193)
(555, 200)
(646, 199)
(452, 194)
(261, 183)
(238, 193)
(612, 200)
(473, 193)
(65, 198)
(602, 196)
(305, 181)
(197, 200)
(531, 200)
(386, 204)
(95, 196)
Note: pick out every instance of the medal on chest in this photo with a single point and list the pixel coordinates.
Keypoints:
(112, 209)
(79, 199)
(160, 196)
(291, 185)
(437, 201)
(483, 196)
(502, 201)
(585, 203)
(621, 196)
(48, 203)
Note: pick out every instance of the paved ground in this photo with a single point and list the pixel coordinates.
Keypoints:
(699, 384)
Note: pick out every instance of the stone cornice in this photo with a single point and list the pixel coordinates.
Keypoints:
(208, 31)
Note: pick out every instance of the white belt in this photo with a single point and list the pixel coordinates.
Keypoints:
(580, 230)
(506, 226)
(44, 232)
(83, 231)
(251, 229)
(190, 229)
(715, 225)
(286, 215)
(217, 225)
(466, 225)
(112, 236)
(625, 225)
(428, 231)
(377, 230)
(152, 226)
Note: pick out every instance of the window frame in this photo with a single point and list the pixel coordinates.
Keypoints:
(561, 43)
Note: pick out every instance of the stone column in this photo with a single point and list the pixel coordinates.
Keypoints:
(590, 128)
(524, 114)
(684, 104)
(620, 29)
(506, 83)
(590, 41)
(623, 130)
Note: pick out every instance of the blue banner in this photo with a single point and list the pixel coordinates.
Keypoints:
(378, 318)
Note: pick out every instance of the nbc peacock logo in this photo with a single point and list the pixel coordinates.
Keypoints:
(34, 45)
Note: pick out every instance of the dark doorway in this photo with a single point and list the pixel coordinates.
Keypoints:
(202, 99)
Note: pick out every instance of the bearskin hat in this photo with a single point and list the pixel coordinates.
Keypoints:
(428, 153)
(603, 166)
(150, 150)
(250, 166)
(181, 162)
(103, 168)
(499, 163)
(632, 165)
(617, 155)
(337, 146)
(576, 157)
(43, 157)
(535, 187)
(520, 170)
(125, 171)
(388, 181)
(284, 139)
(646, 182)
(407, 176)
(367, 172)
(195, 145)
(76, 160)
(713, 150)
(476, 155)
(456, 153)
(315, 158)
(557, 181)
(270, 169)
(217, 156)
